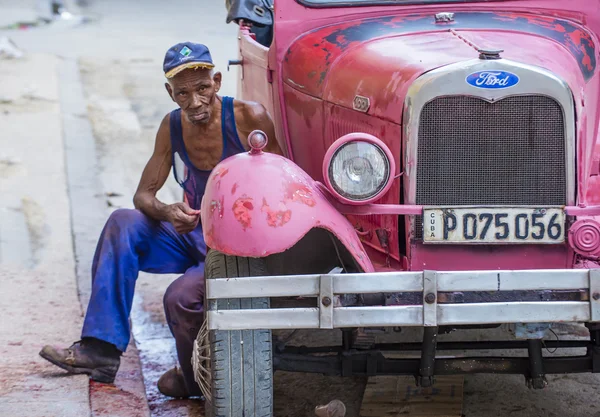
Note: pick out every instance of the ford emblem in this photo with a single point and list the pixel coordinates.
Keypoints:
(492, 79)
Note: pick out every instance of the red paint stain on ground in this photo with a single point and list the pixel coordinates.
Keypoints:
(276, 218)
(234, 188)
(300, 193)
(242, 211)
(108, 399)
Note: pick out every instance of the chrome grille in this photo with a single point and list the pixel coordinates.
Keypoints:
(472, 152)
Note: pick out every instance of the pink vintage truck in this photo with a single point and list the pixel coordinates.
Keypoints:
(442, 173)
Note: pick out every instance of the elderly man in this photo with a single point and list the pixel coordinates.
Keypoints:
(161, 238)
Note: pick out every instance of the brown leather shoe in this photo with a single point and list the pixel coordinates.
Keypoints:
(95, 359)
(172, 384)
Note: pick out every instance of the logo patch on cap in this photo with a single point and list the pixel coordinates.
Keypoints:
(185, 51)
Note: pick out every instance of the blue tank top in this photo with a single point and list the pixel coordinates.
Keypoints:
(191, 179)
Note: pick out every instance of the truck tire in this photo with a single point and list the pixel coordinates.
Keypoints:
(234, 367)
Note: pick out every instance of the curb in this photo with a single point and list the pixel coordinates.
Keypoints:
(127, 397)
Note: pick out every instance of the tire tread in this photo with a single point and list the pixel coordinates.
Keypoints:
(242, 379)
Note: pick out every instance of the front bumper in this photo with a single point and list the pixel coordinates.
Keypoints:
(438, 305)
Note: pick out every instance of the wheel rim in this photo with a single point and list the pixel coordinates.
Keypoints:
(201, 361)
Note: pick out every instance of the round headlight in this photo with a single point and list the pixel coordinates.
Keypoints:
(359, 170)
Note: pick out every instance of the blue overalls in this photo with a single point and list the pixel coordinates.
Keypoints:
(131, 242)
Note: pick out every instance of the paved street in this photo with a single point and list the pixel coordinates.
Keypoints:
(78, 115)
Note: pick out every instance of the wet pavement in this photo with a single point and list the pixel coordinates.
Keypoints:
(157, 347)
(122, 121)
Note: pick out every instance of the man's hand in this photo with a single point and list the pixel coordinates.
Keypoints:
(182, 217)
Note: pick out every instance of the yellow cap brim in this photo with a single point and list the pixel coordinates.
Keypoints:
(188, 65)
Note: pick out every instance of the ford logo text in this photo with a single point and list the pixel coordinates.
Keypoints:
(492, 79)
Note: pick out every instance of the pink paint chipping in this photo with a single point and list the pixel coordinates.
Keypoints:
(272, 193)
(242, 210)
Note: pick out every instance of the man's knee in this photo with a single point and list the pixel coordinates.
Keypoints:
(126, 217)
(184, 294)
(132, 222)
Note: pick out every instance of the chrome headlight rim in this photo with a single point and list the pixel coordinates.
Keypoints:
(368, 196)
(380, 146)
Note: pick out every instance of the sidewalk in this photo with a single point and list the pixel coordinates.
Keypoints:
(86, 101)
(38, 292)
(39, 299)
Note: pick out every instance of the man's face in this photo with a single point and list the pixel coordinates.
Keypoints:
(194, 90)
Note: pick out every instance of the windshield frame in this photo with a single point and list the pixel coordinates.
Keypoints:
(366, 3)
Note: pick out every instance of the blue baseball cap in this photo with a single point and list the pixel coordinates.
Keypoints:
(186, 55)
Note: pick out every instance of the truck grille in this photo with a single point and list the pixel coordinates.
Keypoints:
(472, 152)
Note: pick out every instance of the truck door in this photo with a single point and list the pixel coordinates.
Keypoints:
(254, 76)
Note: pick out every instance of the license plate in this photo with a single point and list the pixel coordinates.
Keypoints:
(493, 225)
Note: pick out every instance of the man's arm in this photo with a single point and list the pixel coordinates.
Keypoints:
(256, 116)
(183, 218)
(154, 176)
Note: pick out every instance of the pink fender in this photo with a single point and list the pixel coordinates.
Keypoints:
(257, 204)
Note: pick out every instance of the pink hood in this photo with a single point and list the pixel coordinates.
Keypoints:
(380, 57)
